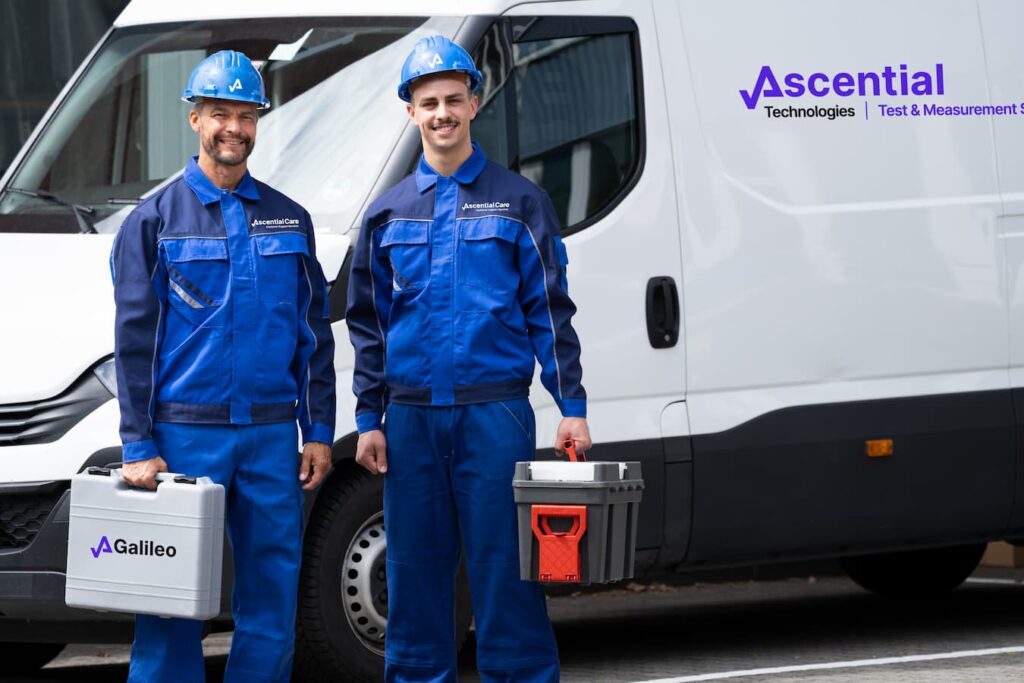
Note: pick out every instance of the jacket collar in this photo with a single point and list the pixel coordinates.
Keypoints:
(426, 176)
(208, 193)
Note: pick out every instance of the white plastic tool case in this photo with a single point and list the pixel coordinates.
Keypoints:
(146, 552)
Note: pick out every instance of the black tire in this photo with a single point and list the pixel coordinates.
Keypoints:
(914, 573)
(27, 658)
(341, 615)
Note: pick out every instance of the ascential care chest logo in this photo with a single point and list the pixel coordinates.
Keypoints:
(143, 547)
(486, 206)
(275, 223)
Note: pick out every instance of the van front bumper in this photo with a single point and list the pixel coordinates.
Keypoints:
(34, 548)
(33, 559)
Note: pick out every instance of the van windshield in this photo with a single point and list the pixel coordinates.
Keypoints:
(123, 131)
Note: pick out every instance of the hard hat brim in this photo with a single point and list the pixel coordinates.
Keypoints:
(189, 97)
(405, 87)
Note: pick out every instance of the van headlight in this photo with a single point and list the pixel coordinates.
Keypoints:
(107, 375)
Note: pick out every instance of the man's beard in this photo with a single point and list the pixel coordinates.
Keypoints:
(228, 159)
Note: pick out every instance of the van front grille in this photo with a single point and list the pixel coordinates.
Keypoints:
(22, 516)
(48, 420)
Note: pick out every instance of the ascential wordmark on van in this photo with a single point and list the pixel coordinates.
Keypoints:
(888, 81)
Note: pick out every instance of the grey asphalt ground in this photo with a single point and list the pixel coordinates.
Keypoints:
(684, 632)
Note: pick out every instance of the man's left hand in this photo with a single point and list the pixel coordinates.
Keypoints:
(316, 464)
(574, 428)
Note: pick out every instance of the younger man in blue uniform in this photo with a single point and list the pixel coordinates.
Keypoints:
(222, 342)
(457, 285)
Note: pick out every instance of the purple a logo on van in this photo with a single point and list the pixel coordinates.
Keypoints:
(890, 81)
(102, 547)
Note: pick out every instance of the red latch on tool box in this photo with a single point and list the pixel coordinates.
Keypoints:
(559, 551)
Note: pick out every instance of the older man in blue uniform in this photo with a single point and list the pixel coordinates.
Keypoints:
(457, 290)
(222, 344)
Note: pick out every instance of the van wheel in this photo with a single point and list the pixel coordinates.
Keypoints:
(914, 573)
(342, 587)
(27, 658)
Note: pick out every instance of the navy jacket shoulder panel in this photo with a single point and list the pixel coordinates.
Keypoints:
(153, 206)
(402, 200)
(500, 176)
(181, 214)
(276, 212)
(276, 199)
(499, 191)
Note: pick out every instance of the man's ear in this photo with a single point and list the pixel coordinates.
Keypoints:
(193, 120)
(474, 106)
(411, 111)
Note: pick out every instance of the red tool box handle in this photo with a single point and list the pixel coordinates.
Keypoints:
(570, 447)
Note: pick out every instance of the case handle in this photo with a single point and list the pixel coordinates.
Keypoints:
(570, 447)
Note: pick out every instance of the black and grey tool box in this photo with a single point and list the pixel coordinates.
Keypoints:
(577, 520)
(147, 552)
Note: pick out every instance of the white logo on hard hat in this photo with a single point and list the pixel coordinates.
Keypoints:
(237, 85)
(436, 61)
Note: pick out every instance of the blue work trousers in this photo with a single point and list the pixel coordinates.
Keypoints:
(259, 468)
(449, 485)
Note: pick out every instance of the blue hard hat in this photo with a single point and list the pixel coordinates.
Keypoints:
(436, 54)
(227, 75)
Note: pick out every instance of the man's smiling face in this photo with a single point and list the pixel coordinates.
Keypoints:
(227, 129)
(442, 107)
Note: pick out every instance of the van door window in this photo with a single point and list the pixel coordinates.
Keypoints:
(560, 105)
(496, 117)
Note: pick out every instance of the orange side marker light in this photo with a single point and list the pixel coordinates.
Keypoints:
(878, 448)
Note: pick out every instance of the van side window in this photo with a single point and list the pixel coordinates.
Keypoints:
(560, 105)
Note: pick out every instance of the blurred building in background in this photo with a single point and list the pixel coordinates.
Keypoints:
(42, 42)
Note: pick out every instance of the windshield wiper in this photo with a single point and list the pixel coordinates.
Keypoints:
(84, 226)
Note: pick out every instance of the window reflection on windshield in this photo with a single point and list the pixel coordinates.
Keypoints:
(123, 131)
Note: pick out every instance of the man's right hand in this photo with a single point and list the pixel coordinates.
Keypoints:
(372, 451)
(142, 473)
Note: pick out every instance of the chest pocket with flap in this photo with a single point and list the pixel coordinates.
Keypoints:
(278, 266)
(487, 253)
(407, 245)
(197, 275)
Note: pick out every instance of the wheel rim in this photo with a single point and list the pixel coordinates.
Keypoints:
(364, 589)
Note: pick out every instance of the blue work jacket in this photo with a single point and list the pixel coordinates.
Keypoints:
(222, 313)
(457, 284)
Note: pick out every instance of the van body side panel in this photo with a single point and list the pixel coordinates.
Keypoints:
(798, 482)
(1000, 25)
(832, 258)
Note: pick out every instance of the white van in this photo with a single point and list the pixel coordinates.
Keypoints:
(796, 239)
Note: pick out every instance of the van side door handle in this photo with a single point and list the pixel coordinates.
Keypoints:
(662, 312)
